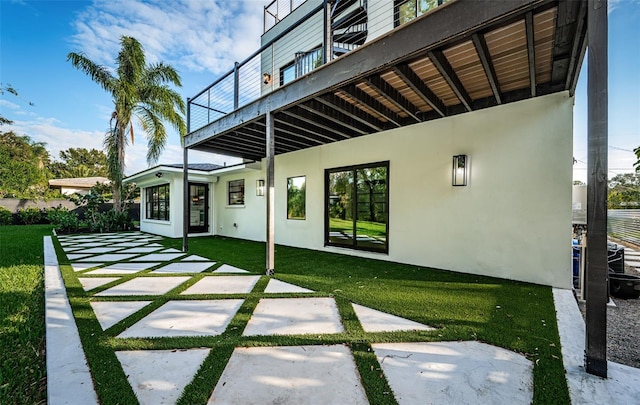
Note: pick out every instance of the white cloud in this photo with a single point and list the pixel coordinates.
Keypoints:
(191, 35)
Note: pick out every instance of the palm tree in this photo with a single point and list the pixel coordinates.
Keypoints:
(141, 91)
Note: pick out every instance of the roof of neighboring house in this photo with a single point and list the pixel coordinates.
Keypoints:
(78, 182)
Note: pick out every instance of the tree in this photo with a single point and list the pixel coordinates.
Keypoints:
(80, 162)
(23, 167)
(141, 91)
(624, 191)
(637, 163)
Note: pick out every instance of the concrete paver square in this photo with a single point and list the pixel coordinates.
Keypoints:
(109, 312)
(82, 266)
(145, 286)
(194, 258)
(223, 285)
(632, 263)
(159, 376)
(186, 318)
(377, 321)
(294, 316)
(128, 244)
(77, 256)
(225, 268)
(277, 286)
(181, 267)
(455, 373)
(123, 268)
(90, 244)
(71, 249)
(98, 250)
(108, 257)
(302, 375)
(141, 249)
(171, 250)
(95, 282)
(157, 257)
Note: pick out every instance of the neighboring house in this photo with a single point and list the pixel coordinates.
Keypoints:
(80, 185)
(438, 135)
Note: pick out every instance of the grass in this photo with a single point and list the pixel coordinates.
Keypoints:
(516, 316)
(22, 331)
(372, 229)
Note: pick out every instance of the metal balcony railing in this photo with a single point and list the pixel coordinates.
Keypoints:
(351, 24)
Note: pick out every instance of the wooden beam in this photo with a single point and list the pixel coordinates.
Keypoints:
(420, 88)
(577, 50)
(442, 64)
(531, 52)
(387, 91)
(294, 126)
(271, 212)
(597, 138)
(485, 58)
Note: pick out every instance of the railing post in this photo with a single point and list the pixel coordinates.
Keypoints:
(327, 38)
(185, 185)
(236, 84)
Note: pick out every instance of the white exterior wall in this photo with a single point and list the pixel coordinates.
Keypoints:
(513, 220)
(250, 218)
(173, 227)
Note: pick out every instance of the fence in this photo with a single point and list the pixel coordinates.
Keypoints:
(624, 225)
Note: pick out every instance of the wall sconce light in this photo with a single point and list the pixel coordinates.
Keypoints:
(159, 174)
(260, 188)
(266, 78)
(460, 169)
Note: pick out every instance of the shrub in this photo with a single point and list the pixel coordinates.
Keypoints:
(111, 221)
(63, 220)
(5, 216)
(30, 216)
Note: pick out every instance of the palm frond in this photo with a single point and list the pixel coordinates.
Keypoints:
(98, 73)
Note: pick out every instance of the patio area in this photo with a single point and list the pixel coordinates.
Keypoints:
(159, 326)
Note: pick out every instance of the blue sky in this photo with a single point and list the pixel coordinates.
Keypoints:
(202, 39)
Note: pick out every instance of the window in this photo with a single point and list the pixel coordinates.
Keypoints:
(296, 197)
(307, 61)
(157, 202)
(407, 10)
(357, 207)
(287, 73)
(236, 192)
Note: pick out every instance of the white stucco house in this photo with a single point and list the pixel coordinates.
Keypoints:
(80, 185)
(437, 136)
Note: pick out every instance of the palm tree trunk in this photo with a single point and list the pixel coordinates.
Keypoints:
(117, 181)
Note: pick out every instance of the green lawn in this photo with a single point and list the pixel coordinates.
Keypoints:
(513, 315)
(22, 332)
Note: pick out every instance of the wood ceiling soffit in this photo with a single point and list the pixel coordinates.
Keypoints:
(405, 90)
(356, 103)
(420, 88)
(373, 93)
(393, 96)
(442, 64)
(351, 111)
(365, 98)
(466, 63)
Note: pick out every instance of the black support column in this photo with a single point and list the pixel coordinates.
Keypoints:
(597, 266)
(270, 194)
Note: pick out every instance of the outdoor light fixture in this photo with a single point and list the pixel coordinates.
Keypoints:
(159, 174)
(260, 187)
(460, 168)
(267, 78)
